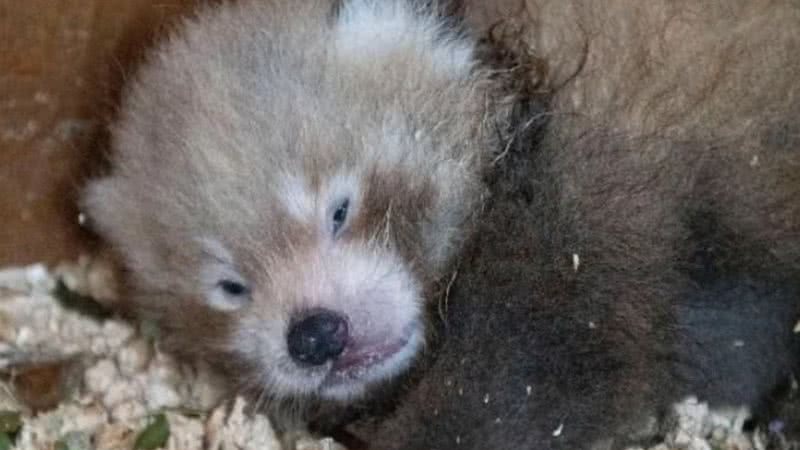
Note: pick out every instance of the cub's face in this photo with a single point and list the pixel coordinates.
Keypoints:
(284, 219)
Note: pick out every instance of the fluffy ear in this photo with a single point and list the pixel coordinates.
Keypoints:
(370, 30)
(115, 216)
(110, 212)
(97, 200)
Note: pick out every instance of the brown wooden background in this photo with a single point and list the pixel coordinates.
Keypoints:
(61, 62)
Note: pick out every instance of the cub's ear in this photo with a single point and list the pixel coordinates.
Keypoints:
(115, 214)
(110, 211)
(97, 202)
(373, 30)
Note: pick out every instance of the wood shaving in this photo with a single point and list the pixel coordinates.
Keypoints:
(124, 379)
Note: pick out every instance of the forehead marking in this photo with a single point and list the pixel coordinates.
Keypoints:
(216, 249)
(294, 193)
(375, 28)
(341, 185)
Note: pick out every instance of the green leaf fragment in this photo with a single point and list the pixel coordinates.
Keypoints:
(155, 435)
(10, 422)
(5, 442)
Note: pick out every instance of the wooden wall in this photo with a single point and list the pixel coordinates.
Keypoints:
(60, 65)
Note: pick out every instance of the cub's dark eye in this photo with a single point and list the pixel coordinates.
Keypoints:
(340, 215)
(233, 288)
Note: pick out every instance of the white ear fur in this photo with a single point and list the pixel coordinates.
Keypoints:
(96, 197)
(112, 217)
(369, 29)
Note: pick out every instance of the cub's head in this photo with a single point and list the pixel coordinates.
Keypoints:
(287, 181)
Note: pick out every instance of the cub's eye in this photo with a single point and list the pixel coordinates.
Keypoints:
(340, 215)
(232, 288)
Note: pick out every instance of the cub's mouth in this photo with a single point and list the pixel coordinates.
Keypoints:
(347, 355)
(371, 360)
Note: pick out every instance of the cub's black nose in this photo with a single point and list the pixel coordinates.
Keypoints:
(317, 338)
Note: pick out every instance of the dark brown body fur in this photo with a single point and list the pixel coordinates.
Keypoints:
(671, 167)
(518, 316)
